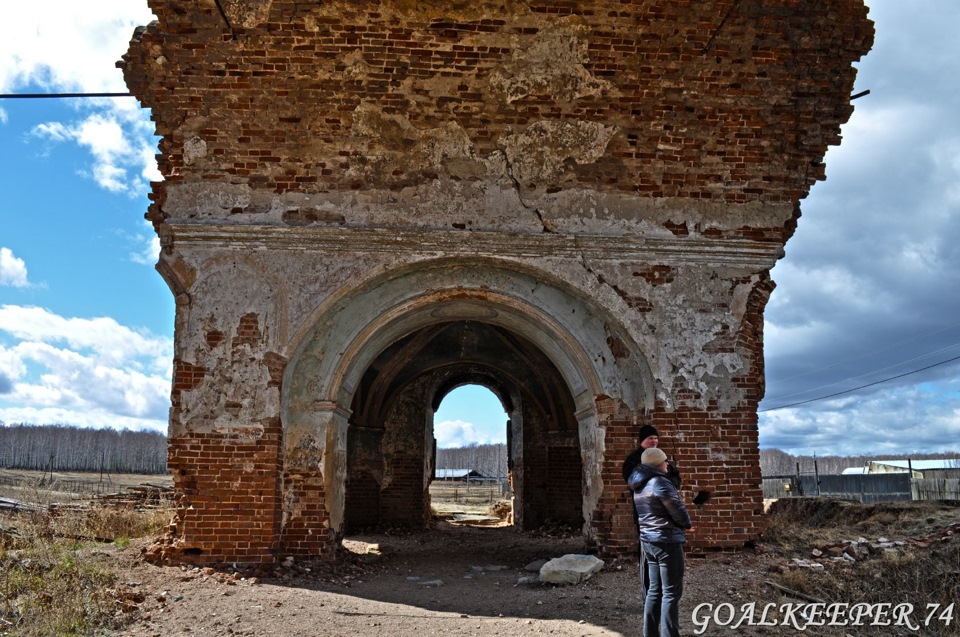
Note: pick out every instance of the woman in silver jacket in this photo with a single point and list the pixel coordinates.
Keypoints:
(663, 521)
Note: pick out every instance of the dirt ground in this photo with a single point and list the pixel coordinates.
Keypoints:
(448, 580)
(466, 580)
(472, 579)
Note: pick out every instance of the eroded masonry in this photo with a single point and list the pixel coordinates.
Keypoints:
(574, 204)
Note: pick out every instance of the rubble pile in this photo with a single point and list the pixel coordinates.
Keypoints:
(848, 552)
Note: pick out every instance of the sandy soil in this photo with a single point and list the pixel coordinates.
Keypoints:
(449, 580)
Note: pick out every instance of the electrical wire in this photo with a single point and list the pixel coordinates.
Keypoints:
(60, 95)
(847, 391)
(861, 356)
(871, 372)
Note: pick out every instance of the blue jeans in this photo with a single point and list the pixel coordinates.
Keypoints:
(661, 609)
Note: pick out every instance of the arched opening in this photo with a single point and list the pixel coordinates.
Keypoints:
(470, 415)
(373, 365)
(390, 454)
(471, 483)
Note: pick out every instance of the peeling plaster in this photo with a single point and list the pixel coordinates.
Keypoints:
(194, 149)
(538, 153)
(550, 62)
(246, 13)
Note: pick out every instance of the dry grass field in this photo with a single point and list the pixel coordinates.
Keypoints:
(450, 499)
(66, 487)
(54, 529)
(75, 569)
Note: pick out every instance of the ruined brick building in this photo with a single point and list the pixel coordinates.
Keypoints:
(573, 203)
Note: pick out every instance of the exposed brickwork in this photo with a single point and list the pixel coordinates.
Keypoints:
(576, 204)
(614, 514)
(711, 101)
(248, 332)
(306, 528)
(717, 453)
(402, 503)
(186, 376)
(552, 473)
(227, 511)
(363, 501)
(275, 364)
(657, 274)
(565, 476)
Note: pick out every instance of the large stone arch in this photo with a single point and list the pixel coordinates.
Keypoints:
(591, 352)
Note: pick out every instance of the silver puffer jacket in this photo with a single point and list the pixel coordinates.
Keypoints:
(661, 515)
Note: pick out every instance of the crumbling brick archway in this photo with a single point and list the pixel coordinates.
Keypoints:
(614, 180)
(390, 446)
(360, 392)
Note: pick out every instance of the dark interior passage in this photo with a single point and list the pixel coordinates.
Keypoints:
(391, 445)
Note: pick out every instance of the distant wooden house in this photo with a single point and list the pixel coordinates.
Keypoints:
(924, 469)
(459, 475)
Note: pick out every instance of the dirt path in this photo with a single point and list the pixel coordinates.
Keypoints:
(450, 580)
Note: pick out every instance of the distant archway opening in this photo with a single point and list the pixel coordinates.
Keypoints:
(391, 443)
(471, 482)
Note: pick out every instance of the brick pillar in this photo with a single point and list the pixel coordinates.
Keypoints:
(615, 529)
(228, 499)
(306, 529)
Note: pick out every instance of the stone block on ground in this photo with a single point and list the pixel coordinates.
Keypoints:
(570, 569)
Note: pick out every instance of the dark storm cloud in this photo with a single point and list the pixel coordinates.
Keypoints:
(869, 289)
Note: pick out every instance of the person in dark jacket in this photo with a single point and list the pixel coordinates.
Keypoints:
(649, 437)
(663, 521)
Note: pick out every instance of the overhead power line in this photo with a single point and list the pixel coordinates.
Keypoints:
(889, 347)
(59, 95)
(847, 391)
(869, 373)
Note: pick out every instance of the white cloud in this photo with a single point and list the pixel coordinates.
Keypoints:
(78, 380)
(81, 371)
(109, 342)
(13, 270)
(148, 244)
(867, 290)
(64, 46)
(91, 419)
(458, 433)
(117, 147)
(894, 420)
(67, 45)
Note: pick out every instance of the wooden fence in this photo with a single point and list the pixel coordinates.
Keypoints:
(935, 489)
(866, 488)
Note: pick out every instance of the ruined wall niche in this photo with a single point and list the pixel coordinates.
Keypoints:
(601, 185)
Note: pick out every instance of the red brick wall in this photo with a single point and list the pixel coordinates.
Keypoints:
(564, 481)
(228, 499)
(719, 454)
(403, 502)
(726, 101)
(362, 501)
(306, 530)
(613, 516)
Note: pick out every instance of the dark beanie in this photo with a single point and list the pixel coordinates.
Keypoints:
(646, 431)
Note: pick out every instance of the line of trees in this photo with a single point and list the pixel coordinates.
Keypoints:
(68, 448)
(488, 460)
(774, 462)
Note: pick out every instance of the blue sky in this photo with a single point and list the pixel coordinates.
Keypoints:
(868, 293)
